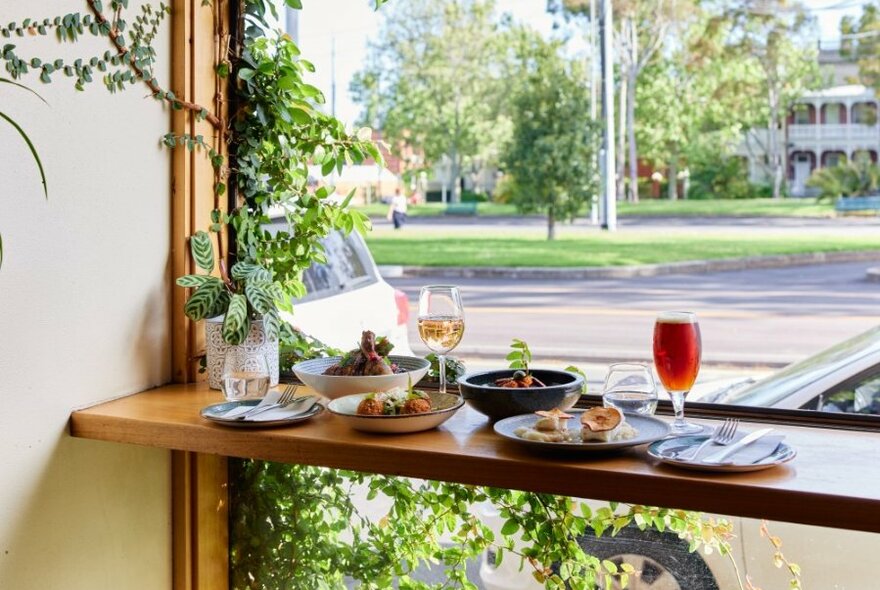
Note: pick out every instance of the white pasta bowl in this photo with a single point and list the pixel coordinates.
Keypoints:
(443, 406)
(332, 386)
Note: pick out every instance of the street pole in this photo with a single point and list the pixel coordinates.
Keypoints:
(608, 203)
(333, 75)
(292, 21)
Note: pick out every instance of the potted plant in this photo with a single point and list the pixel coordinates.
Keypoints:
(239, 308)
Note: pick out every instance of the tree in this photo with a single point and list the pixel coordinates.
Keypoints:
(551, 151)
(642, 29)
(771, 35)
(433, 79)
(720, 92)
(861, 41)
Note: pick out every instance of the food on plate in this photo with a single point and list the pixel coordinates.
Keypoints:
(552, 421)
(597, 425)
(416, 406)
(601, 424)
(370, 358)
(395, 402)
(520, 379)
(371, 407)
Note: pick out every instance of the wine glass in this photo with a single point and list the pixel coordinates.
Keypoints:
(630, 387)
(245, 374)
(441, 322)
(677, 351)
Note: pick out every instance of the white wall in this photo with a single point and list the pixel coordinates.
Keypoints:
(84, 296)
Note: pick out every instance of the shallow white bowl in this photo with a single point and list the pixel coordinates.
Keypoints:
(444, 404)
(312, 374)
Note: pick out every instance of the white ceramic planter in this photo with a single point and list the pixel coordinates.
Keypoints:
(255, 342)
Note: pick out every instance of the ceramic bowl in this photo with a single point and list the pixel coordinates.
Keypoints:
(479, 390)
(444, 406)
(312, 374)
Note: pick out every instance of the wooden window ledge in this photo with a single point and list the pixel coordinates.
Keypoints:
(834, 481)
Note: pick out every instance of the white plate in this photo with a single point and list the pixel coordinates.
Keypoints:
(444, 406)
(312, 374)
(660, 450)
(649, 429)
(216, 412)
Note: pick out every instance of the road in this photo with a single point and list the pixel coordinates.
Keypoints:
(748, 318)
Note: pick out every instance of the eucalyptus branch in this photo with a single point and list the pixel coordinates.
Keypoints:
(156, 91)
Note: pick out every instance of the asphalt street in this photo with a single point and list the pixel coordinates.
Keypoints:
(748, 318)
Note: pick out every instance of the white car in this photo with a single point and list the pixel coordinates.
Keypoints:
(347, 296)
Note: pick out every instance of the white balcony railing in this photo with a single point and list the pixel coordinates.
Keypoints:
(855, 132)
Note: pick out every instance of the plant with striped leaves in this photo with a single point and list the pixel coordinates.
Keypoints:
(247, 293)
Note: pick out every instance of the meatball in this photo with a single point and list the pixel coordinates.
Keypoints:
(416, 406)
(371, 407)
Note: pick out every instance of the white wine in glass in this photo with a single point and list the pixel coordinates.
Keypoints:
(441, 322)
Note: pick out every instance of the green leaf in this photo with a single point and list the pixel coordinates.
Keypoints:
(1, 251)
(33, 150)
(203, 301)
(242, 271)
(22, 86)
(196, 280)
(202, 250)
(246, 73)
(236, 324)
(288, 82)
(510, 527)
(271, 324)
(258, 295)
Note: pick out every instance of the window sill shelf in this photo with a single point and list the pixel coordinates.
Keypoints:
(832, 482)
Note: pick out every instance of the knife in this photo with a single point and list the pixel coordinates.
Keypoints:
(720, 456)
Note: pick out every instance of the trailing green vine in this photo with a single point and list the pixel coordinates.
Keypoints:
(308, 528)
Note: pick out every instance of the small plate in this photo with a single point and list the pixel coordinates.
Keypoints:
(215, 413)
(444, 404)
(660, 451)
(649, 429)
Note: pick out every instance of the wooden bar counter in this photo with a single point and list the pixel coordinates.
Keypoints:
(834, 481)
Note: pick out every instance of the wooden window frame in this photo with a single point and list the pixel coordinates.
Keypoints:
(199, 498)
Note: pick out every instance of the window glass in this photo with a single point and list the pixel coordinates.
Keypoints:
(812, 383)
(801, 116)
(865, 114)
(348, 266)
(832, 114)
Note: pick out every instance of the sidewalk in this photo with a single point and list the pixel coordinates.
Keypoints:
(624, 272)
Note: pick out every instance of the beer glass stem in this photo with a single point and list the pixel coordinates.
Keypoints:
(441, 363)
(677, 398)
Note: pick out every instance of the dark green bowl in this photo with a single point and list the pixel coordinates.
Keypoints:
(479, 390)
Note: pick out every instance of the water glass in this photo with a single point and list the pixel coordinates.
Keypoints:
(245, 374)
(630, 388)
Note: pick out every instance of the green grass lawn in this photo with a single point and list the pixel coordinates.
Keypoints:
(658, 208)
(595, 250)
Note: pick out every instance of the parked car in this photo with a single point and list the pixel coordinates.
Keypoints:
(843, 378)
(347, 295)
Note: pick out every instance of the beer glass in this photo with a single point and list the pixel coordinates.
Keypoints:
(677, 351)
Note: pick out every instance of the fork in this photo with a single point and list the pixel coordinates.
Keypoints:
(723, 436)
(286, 399)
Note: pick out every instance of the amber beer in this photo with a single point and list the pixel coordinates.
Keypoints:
(677, 350)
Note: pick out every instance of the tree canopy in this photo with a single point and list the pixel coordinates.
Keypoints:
(551, 151)
(434, 77)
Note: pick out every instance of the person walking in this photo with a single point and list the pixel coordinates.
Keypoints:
(397, 210)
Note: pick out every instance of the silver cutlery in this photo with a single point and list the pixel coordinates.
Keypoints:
(286, 399)
(723, 436)
(721, 456)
